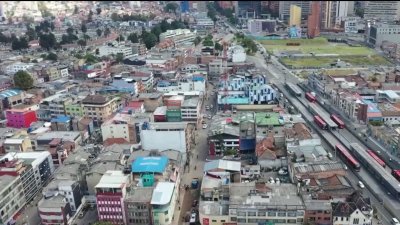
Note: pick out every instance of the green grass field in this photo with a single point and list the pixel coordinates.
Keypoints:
(317, 46)
(360, 60)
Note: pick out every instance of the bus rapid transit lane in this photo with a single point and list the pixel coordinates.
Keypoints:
(390, 204)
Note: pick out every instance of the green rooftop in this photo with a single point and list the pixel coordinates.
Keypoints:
(267, 119)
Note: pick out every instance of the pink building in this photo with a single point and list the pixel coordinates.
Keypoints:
(110, 194)
(20, 118)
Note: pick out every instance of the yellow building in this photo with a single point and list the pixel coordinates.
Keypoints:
(295, 16)
(98, 107)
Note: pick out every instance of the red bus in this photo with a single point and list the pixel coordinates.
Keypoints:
(320, 122)
(342, 151)
(376, 158)
(310, 97)
(396, 174)
(338, 121)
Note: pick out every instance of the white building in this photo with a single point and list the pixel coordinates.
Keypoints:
(188, 84)
(41, 162)
(15, 67)
(179, 36)
(163, 202)
(109, 50)
(164, 136)
(12, 197)
(237, 54)
(353, 24)
(120, 126)
(191, 109)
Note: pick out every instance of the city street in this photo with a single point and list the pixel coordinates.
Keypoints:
(196, 165)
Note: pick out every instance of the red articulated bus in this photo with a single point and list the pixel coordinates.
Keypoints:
(396, 174)
(338, 121)
(310, 97)
(376, 158)
(320, 122)
(345, 154)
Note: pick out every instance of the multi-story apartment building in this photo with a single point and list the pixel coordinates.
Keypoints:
(67, 188)
(382, 10)
(12, 197)
(110, 194)
(54, 210)
(41, 163)
(191, 109)
(138, 205)
(17, 167)
(99, 108)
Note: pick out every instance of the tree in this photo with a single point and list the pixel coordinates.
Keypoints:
(150, 40)
(19, 43)
(52, 27)
(165, 25)
(197, 40)
(119, 57)
(90, 16)
(76, 10)
(47, 41)
(107, 32)
(83, 28)
(115, 16)
(156, 30)
(52, 56)
(133, 38)
(121, 38)
(171, 7)
(99, 32)
(218, 46)
(98, 10)
(23, 80)
(70, 30)
(81, 42)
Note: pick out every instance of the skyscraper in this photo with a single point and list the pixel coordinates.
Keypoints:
(382, 10)
(248, 9)
(295, 16)
(284, 8)
(313, 22)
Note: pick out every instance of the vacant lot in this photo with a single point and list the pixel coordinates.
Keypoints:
(356, 61)
(315, 46)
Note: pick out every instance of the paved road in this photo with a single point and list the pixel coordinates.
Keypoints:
(196, 165)
(277, 77)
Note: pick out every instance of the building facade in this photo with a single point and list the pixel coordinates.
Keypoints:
(110, 193)
(17, 118)
(382, 10)
(380, 32)
(295, 16)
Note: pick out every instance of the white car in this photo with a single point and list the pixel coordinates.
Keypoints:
(205, 126)
(361, 185)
